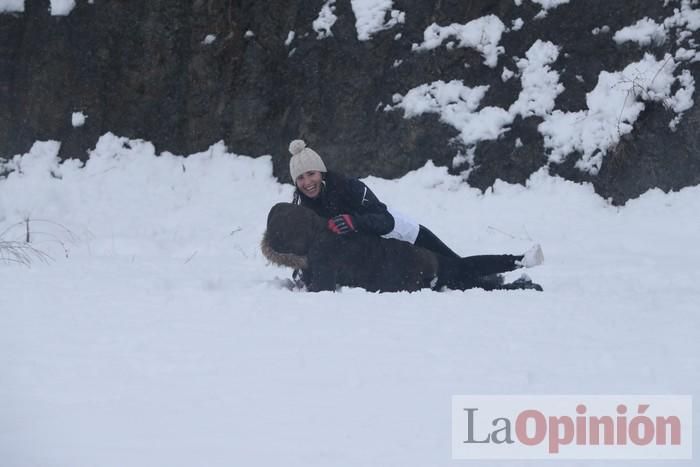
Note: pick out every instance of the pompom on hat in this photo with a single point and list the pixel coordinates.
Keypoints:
(303, 159)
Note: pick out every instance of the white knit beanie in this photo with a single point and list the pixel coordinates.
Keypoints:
(303, 159)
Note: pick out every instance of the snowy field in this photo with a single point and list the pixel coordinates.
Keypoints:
(157, 335)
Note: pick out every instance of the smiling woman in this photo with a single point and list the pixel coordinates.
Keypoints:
(350, 206)
(306, 167)
(309, 183)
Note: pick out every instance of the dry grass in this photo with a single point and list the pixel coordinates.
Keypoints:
(21, 253)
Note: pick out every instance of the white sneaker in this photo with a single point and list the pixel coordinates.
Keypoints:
(532, 257)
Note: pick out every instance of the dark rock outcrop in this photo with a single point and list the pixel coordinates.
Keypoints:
(141, 69)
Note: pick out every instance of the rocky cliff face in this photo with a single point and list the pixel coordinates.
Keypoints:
(187, 73)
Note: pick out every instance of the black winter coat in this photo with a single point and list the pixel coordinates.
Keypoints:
(343, 195)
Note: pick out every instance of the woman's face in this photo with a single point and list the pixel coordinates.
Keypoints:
(309, 183)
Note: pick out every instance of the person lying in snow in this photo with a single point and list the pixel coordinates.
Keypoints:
(350, 206)
(298, 238)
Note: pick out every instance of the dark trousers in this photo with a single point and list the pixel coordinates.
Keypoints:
(482, 271)
(483, 264)
(428, 240)
(472, 271)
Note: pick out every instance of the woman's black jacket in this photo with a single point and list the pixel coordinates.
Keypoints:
(343, 195)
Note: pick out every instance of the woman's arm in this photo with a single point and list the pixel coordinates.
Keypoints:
(370, 214)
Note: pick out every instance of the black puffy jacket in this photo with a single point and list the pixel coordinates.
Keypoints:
(343, 195)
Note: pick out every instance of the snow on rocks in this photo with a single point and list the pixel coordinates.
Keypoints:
(686, 17)
(517, 24)
(644, 32)
(61, 7)
(549, 4)
(370, 17)
(325, 20)
(540, 84)
(78, 119)
(545, 4)
(613, 107)
(506, 74)
(457, 104)
(482, 34)
(682, 100)
(289, 39)
(684, 21)
(438, 97)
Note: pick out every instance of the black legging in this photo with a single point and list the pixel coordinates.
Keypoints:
(484, 265)
(428, 240)
(481, 264)
(482, 271)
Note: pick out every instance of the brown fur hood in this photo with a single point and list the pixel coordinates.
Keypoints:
(291, 260)
(291, 230)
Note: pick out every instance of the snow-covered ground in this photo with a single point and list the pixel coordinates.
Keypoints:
(158, 335)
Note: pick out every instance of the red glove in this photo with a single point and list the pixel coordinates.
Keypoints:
(341, 224)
